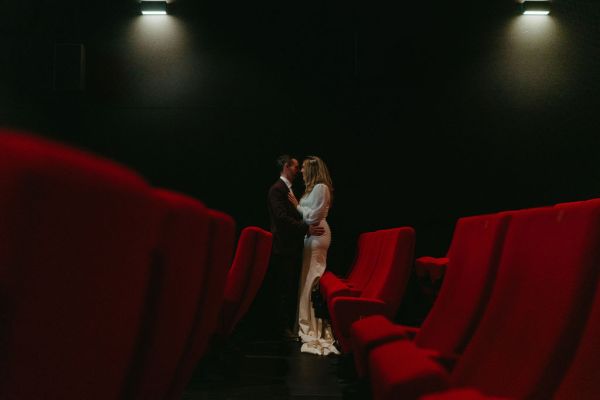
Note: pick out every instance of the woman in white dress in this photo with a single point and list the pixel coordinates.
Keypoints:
(314, 206)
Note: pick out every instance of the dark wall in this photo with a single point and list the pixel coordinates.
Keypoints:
(424, 113)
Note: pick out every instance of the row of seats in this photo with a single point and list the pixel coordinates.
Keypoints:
(517, 315)
(375, 284)
(110, 288)
(474, 252)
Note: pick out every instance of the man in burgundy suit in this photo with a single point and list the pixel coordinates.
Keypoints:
(288, 240)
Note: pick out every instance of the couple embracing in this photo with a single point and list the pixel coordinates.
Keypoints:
(301, 237)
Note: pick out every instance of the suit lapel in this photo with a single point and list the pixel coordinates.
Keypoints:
(292, 210)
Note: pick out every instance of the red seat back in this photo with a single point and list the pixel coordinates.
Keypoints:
(545, 281)
(221, 246)
(360, 273)
(392, 268)
(474, 255)
(177, 282)
(366, 257)
(245, 275)
(76, 239)
(582, 380)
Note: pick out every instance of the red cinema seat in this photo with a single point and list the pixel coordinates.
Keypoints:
(366, 257)
(177, 282)
(383, 293)
(475, 253)
(76, 239)
(221, 246)
(245, 276)
(533, 321)
(431, 267)
(582, 380)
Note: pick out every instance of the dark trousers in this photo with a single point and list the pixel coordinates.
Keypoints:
(276, 303)
(285, 269)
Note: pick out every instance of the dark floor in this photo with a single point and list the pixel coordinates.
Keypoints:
(255, 363)
(273, 369)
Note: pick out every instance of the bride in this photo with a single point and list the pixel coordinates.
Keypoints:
(314, 206)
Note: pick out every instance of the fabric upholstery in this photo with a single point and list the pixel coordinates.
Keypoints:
(372, 331)
(582, 380)
(400, 370)
(475, 252)
(221, 246)
(77, 233)
(545, 281)
(474, 257)
(431, 267)
(177, 282)
(537, 310)
(384, 291)
(245, 276)
(366, 253)
(331, 286)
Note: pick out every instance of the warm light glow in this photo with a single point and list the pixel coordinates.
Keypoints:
(536, 13)
(531, 61)
(164, 66)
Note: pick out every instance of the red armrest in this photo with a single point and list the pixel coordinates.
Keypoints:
(345, 310)
(401, 370)
(376, 328)
(446, 360)
(332, 286)
(431, 266)
(374, 331)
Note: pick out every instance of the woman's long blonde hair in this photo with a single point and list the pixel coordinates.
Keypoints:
(315, 171)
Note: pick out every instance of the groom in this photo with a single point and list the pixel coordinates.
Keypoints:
(288, 231)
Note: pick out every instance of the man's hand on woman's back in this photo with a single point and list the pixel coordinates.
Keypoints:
(315, 230)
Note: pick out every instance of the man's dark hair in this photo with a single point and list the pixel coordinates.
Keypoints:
(282, 161)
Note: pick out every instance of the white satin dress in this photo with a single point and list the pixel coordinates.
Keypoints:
(315, 333)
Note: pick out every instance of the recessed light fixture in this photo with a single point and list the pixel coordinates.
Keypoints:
(153, 7)
(535, 7)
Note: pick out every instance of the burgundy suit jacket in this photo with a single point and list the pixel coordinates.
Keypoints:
(287, 226)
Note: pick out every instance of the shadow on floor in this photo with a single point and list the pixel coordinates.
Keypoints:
(272, 369)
